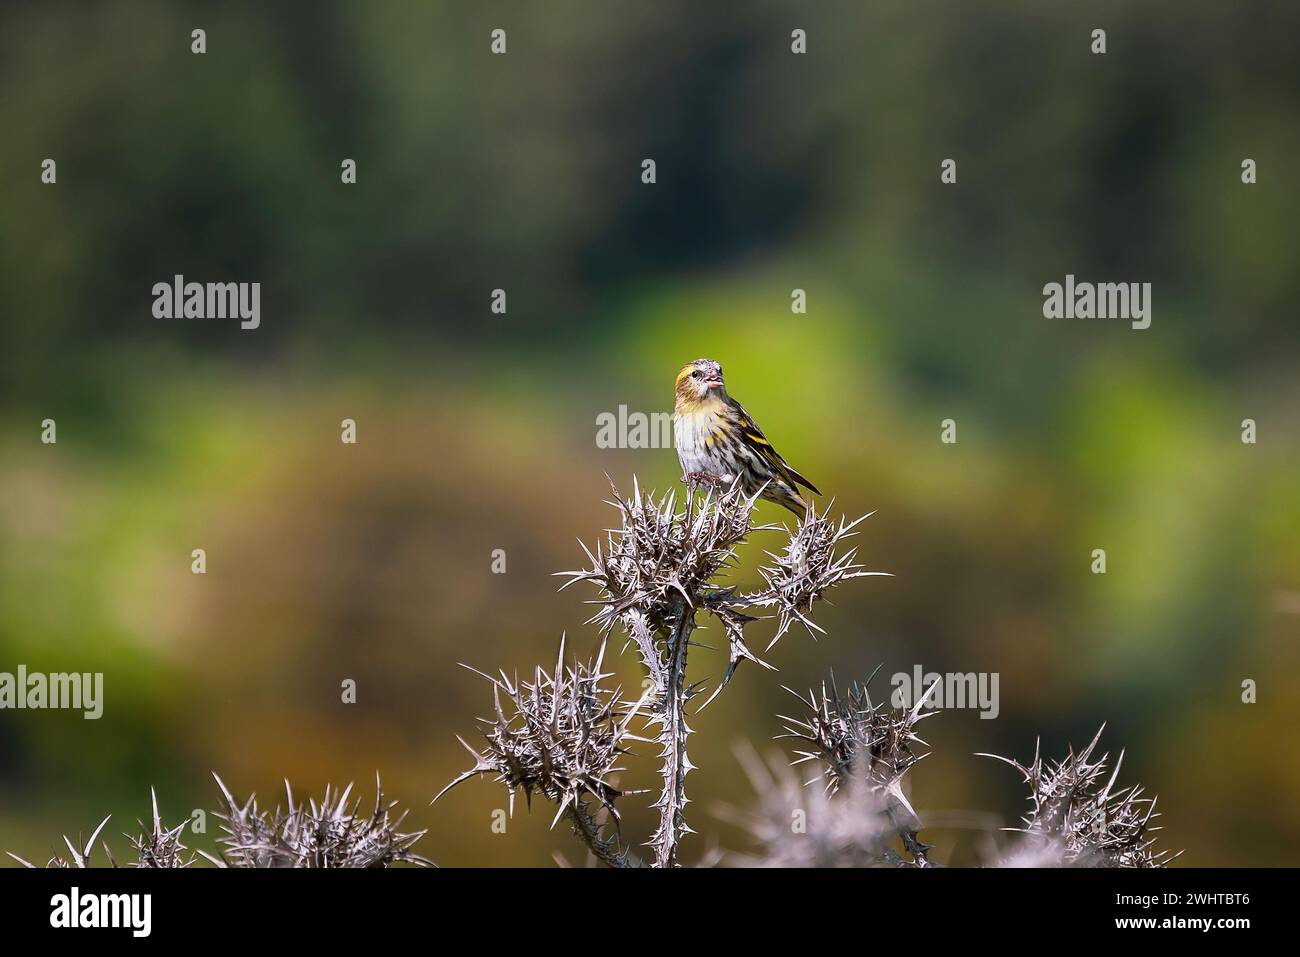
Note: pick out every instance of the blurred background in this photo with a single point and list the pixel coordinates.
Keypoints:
(477, 431)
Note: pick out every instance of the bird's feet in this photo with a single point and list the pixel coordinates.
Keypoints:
(696, 479)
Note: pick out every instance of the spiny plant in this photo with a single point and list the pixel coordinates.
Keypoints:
(79, 854)
(157, 846)
(861, 817)
(794, 825)
(562, 735)
(1077, 821)
(327, 834)
(865, 748)
(655, 573)
(565, 734)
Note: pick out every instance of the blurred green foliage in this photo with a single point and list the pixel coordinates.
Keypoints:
(521, 171)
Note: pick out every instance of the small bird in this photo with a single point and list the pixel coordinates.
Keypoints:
(717, 441)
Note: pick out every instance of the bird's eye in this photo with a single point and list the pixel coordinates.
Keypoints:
(695, 374)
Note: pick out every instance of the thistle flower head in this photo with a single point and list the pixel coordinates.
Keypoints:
(157, 846)
(561, 735)
(328, 834)
(666, 561)
(809, 566)
(1079, 816)
(796, 826)
(850, 736)
(864, 750)
(659, 551)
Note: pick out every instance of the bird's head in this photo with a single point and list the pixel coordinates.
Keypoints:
(698, 380)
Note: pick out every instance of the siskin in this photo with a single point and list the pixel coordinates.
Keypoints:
(717, 441)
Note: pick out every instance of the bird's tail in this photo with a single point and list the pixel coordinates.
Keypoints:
(791, 498)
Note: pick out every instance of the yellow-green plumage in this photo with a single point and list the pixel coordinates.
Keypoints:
(716, 437)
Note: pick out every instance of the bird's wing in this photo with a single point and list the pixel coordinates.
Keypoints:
(753, 437)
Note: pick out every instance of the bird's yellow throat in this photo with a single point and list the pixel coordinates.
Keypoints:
(689, 405)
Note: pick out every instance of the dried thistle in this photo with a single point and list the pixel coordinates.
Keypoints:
(156, 846)
(80, 853)
(798, 826)
(659, 556)
(561, 735)
(852, 735)
(862, 746)
(160, 847)
(809, 566)
(1076, 821)
(662, 566)
(330, 834)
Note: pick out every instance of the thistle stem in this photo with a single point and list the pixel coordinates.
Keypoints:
(672, 802)
(912, 841)
(604, 849)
